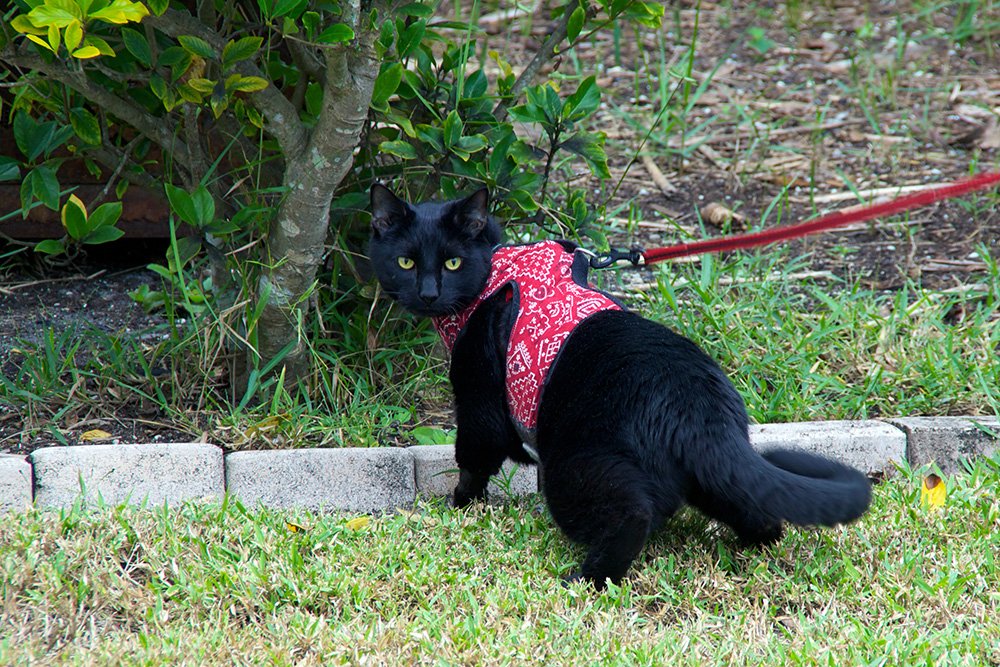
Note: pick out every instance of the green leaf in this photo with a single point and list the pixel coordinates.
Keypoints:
(181, 203)
(158, 86)
(50, 246)
(385, 85)
(10, 170)
(85, 125)
(137, 45)
(452, 127)
(338, 32)
(418, 9)
(575, 23)
(401, 149)
(46, 16)
(204, 206)
(106, 215)
(102, 46)
(292, 8)
(590, 146)
(196, 46)
(410, 38)
(74, 218)
(103, 235)
(45, 186)
(158, 6)
(241, 49)
(246, 84)
(583, 102)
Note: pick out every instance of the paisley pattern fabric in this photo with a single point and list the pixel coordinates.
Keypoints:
(550, 304)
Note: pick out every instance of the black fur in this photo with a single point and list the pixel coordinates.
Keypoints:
(635, 420)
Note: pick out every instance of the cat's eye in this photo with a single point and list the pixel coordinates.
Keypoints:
(405, 263)
(453, 264)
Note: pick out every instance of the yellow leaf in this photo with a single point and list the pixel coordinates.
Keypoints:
(95, 434)
(87, 52)
(38, 40)
(294, 527)
(358, 522)
(933, 492)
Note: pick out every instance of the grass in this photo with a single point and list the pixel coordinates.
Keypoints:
(223, 584)
(802, 346)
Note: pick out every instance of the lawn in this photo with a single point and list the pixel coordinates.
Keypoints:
(226, 584)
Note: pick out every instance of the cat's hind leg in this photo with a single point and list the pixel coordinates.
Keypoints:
(608, 504)
(752, 526)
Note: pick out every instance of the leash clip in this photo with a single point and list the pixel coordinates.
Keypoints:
(613, 256)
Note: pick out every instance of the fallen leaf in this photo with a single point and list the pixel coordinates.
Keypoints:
(933, 492)
(720, 215)
(294, 527)
(95, 434)
(358, 522)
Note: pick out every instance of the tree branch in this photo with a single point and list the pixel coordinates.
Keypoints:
(160, 130)
(282, 118)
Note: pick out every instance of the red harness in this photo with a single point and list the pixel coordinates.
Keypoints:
(551, 299)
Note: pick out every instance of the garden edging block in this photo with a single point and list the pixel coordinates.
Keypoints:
(437, 473)
(353, 479)
(155, 473)
(870, 446)
(947, 440)
(15, 483)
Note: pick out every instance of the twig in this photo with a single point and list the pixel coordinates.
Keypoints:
(665, 186)
(868, 195)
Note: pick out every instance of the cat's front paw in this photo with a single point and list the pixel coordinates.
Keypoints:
(464, 498)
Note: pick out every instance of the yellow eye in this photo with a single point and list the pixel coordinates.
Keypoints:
(405, 263)
(453, 264)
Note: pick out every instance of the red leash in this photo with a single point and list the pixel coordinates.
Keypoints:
(821, 224)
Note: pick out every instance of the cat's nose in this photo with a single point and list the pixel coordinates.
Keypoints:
(428, 290)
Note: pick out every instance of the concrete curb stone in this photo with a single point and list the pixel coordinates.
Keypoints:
(869, 445)
(379, 479)
(437, 473)
(157, 473)
(947, 440)
(353, 479)
(15, 483)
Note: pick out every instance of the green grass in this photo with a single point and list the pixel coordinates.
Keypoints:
(802, 348)
(223, 584)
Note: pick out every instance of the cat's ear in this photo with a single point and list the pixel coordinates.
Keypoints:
(386, 208)
(473, 211)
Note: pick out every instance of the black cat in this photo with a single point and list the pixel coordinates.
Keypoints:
(634, 420)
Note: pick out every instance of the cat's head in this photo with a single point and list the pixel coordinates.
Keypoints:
(432, 257)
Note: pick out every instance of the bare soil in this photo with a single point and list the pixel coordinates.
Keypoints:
(848, 96)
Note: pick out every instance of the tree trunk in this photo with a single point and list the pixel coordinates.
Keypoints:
(295, 240)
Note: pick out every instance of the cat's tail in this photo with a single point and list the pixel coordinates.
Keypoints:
(810, 490)
(788, 485)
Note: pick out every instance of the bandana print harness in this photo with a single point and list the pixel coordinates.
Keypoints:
(549, 289)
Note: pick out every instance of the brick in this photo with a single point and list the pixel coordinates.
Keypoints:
(947, 440)
(356, 479)
(869, 446)
(156, 473)
(15, 482)
(437, 473)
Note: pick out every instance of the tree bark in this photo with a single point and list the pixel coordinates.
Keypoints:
(296, 237)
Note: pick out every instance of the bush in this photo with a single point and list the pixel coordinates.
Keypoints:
(263, 124)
